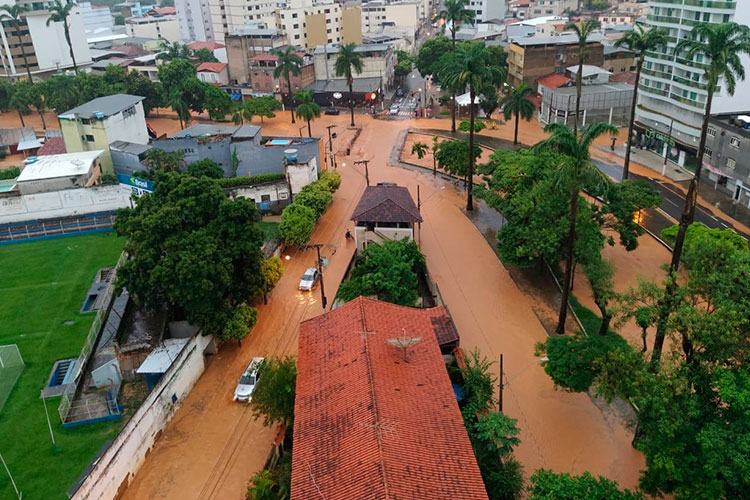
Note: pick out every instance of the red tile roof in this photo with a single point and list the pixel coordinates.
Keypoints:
(164, 11)
(265, 57)
(52, 146)
(624, 77)
(212, 67)
(369, 425)
(554, 80)
(205, 45)
(386, 204)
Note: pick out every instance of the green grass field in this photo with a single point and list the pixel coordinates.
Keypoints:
(43, 285)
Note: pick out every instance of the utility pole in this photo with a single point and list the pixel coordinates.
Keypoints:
(367, 172)
(330, 137)
(667, 147)
(500, 386)
(317, 246)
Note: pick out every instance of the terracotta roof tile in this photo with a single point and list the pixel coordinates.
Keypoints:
(52, 146)
(205, 45)
(624, 77)
(265, 57)
(213, 67)
(554, 80)
(369, 425)
(386, 204)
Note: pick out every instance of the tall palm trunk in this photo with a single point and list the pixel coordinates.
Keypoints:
(66, 29)
(626, 167)
(469, 184)
(309, 129)
(23, 54)
(568, 280)
(579, 77)
(515, 135)
(289, 94)
(351, 98)
(453, 100)
(20, 115)
(688, 213)
(41, 115)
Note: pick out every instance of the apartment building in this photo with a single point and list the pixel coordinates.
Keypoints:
(727, 155)
(377, 63)
(247, 43)
(484, 10)
(534, 57)
(194, 18)
(541, 8)
(45, 46)
(96, 17)
(261, 77)
(157, 23)
(380, 14)
(672, 90)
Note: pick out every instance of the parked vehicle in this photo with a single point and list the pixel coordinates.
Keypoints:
(248, 381)
(309, 279)
(394, 109)
(399, 92)
(333, 111)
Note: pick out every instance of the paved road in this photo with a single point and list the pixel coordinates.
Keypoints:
(673, 200)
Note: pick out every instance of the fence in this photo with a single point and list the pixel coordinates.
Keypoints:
(88, 345)
(11, 366)
(41, 229)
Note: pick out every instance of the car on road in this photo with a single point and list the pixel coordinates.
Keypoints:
(394, 109)
(333, 111)
(399, 92)
(248, 381)
(309, 279)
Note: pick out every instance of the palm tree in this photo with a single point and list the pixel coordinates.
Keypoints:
(517, 104)
(639, 41)
(346, 61)
(455, 13)
(434, 148)
(583, 31)
(308, 109)
(239, 113)
(469, 68)
(289, 63)
(58, 13)
(720, 46)
(177, 102)
(174, 50)
(13, 13)
(19, 99)
(572, 173)
(419, 149)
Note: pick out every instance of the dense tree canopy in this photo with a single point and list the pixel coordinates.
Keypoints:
(273, 397)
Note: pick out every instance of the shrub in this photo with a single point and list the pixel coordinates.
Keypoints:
(227, 182)
(9, 173)
(331, 180)
(205, 168)
(109, 179)
(297, 224)
(315, 196)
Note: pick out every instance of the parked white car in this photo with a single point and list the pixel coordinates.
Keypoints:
(309, 279)
(394, 109)
(248, 381)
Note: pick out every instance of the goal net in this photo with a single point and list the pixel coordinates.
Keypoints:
(11, 366)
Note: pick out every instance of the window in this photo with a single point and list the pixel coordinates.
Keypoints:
(128, 112)
(265, 197)
(734, 142)
(85, 121)
(89, 137)
(711, 132)
(708, 151)
(730, 163)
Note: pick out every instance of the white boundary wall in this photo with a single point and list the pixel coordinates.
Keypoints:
(128, 451)
(63, 203)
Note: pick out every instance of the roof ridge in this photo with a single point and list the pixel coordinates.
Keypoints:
(371, 380)
(401, 206)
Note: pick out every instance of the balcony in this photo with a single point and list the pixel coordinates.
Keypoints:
(692, 64)
(663, 19)
(653, 90)
(657, 74)
(689, 102)
(693, 83)
(706, 4)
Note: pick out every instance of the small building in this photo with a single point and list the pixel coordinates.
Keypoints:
(607, 102)
(261, 77)
(57, 172)
(214, 73)
(154, 25)
(590, 75)
(10, 138)
(246, 43)
(95, 125)
(384, 212)
(373, 419)
(618, 59)
(727, 155)
(378, 61)
(219, 50)
(160, 360)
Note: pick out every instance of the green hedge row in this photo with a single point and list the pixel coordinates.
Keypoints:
(249, 181)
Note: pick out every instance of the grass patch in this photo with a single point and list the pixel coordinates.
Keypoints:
(271, 230)
(43, 286)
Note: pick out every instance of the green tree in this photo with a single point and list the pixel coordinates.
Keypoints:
(173, 51)
(721, 45)
(137, 84)
(583, 31)
(434, 149)
(349, 61)
(60, 92)
(468, 68)
(241, 113)
(271, 269)
(38, 102)
(600, 274)
(262, 106)
(201, 254)
(58, 13)
(428, 57)
(166, 161)
(20, 99)
(308, 109)
(315, 196)
(453, 156)
(289, 63)
(465, 126)
(488, 100)
(204, 168)
(698, 233)
(261, 487)
(517, 104)
(217, 102)
(119, 20)
(14, 15)
(419, 149)
(273, 397)
(179, 77)
(239, 323)
(331, 180)
(575, 169)
(205, 55)
(548, 485)
(388, 271)
(176, 101)
(639, 41)
(297, 224)
(454, 13)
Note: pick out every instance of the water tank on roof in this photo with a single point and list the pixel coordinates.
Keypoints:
(290, 155)
(99, 115)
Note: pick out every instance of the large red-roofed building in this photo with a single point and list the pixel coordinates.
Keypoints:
(369, 424)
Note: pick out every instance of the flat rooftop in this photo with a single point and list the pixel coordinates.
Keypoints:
(63, 165)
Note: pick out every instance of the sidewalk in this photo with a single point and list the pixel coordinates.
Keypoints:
(654, 162)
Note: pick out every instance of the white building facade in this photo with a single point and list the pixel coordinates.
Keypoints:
(166, 28)
(194, 19)
(484, 10)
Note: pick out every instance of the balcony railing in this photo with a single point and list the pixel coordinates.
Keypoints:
(657, 74)
(689, 102)
(693, 83)
(663, 19)
(653, 90)
(706, 4)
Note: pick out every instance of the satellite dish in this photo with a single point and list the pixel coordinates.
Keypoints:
(404, 343)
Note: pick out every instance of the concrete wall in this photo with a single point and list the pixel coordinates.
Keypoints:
(301, 175)
(110, 475)
(270, 197)
(315, 33)
(351, 24)
(362, 236)
(166, 28)
(532, 62)
(50, 45)
(63, 203)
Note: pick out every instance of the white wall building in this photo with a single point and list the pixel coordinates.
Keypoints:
(57, 172)
(672, 90)
(96, 17)
(487, 9)
(540, 8)
(380, 14)
(163, 27)
(194, 18)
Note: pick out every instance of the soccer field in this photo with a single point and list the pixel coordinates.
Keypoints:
(42, 287)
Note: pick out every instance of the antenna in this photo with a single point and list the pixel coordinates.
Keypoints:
(404, 343)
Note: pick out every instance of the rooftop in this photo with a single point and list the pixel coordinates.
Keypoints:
(588, 70)
(205, 45)
(369, 424)
(212, 67)
(363, 47)
(386, 204)
(564, 39)
(62, 165)
(200, 129)
(596, 89)
(160, 359)
(52, 146)
(129, 147)
(624, 77)
(108, 105)
(554, 80)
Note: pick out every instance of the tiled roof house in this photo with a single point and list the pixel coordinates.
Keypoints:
(370, 424)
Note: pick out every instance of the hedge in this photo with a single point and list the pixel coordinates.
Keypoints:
(227, 182)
